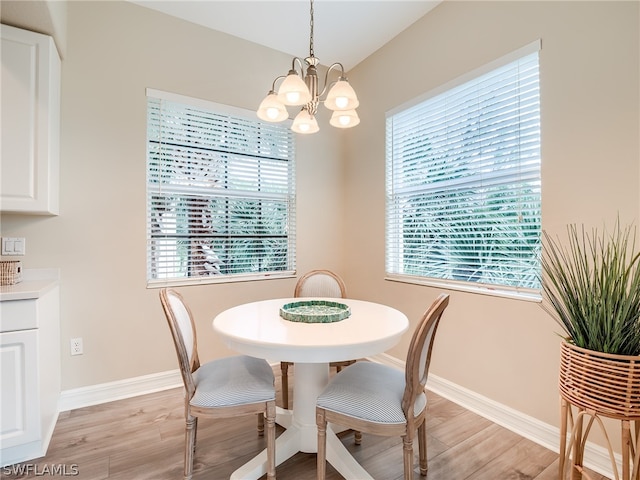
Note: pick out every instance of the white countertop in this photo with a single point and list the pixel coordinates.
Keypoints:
(35, 283)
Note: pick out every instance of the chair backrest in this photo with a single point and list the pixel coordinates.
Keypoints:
(320, 283)
(419, 354)
(183, 331)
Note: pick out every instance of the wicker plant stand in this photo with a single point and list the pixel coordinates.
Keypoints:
(598, 385)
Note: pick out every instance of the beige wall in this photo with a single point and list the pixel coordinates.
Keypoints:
(504, 349)
(114, 51)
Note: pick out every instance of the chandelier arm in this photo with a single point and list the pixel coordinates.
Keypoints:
(326, 78)
(273, 85)
(293, 65)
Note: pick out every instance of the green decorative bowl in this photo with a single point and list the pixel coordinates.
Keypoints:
(315, 311)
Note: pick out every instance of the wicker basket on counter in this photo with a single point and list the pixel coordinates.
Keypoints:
(10, 272)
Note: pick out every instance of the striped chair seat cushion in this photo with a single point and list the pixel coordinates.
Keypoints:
(233, 381)
(369, 391)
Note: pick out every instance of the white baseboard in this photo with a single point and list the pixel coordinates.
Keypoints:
(118, 390)
(595, 457)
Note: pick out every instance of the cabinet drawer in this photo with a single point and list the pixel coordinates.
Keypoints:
(18, 315)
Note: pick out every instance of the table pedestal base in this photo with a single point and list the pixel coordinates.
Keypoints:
(302, 434)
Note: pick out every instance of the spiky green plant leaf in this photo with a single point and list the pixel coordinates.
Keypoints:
(591, 287)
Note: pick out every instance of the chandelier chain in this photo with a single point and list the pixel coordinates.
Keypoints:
(311, 30)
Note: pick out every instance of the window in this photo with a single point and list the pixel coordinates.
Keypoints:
(463, 181)
(220, 193)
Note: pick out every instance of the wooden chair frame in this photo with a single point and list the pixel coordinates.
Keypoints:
(416, 372)
(298, 292)
(188, 365)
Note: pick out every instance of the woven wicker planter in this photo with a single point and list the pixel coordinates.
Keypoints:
(599, 385)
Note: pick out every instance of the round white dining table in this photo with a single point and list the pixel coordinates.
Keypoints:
(258, 330)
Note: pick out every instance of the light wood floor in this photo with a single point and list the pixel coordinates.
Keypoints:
(142, 438)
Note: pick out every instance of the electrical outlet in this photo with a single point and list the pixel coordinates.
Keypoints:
(76, 346)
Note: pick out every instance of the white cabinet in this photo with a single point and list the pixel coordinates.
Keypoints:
(29, 374)
(18, 363)
(30, 104)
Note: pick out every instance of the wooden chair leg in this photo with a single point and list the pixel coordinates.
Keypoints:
(284, 368)
(261, 424)
(422, 448)
(271, 440)
(195, 434)
(407, 449)
(321, 422)
(189, 444)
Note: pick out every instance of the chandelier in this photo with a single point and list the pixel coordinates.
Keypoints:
(298, 89)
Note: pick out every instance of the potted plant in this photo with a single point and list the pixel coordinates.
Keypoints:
(591, 287)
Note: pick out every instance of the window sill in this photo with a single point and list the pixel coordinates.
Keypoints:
(180, 282)
(527, 295)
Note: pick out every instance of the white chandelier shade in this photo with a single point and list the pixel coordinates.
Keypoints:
(305, 122)
(271, 110)
(294, 91)
(344, 119)
(302, 90)
(341, 97)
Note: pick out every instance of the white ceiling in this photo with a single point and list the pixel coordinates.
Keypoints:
(344, 31)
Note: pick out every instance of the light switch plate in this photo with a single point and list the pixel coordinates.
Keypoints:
(13, 246)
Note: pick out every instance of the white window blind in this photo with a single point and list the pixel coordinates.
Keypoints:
(463, 181)
(220, 193)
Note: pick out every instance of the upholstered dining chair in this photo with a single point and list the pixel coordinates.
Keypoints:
(316, 283)
(382, 400)
(226, 387)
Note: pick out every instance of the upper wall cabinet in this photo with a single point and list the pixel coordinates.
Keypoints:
(30, 128)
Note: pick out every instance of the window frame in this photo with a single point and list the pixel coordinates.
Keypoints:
(243, 115)
(520, 293)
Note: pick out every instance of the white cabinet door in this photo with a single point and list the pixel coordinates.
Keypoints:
(20, 420)
(30, 105)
